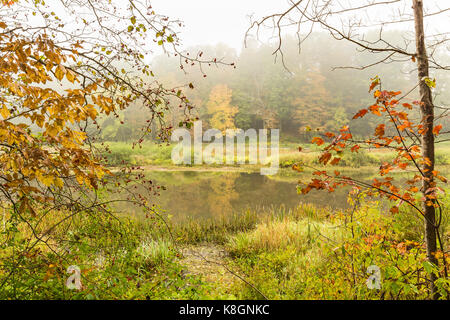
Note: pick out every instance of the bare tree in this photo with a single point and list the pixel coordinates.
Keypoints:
(427, 112)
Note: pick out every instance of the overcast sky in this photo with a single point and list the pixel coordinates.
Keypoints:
(213, 21)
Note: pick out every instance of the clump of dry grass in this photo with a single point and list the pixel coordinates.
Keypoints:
(279, 234)
(155, 253)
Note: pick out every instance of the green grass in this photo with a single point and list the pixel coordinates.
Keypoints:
(219, 230)
(151, 154)
(303, 253)
(362, 158)
(155, 253)
(145, 154)
(311, 256)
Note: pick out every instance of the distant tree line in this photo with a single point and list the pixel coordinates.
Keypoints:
(312, 92)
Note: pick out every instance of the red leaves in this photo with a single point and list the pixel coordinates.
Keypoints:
(437, 129)
(316, 184)
(361, 113)
(404, 125)
(325, 157)
(375, 109)
(421, 129)
(385, 168)
(393, 102)
(394, 210)
(405, 152)
(402, 165)
(402, 115)
(407, 105)
(335, 161)
(317, 140)
(375, 82)
(436, 174)
(379, 130)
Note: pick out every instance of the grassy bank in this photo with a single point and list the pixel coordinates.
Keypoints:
(328, 257)
(150, 154)
(311, 253)
(305, 253)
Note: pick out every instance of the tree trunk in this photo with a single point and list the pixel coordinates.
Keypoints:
(427, 113)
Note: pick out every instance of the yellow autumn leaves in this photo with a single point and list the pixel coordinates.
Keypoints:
(62, 71)
(219, 106)
(56, 151)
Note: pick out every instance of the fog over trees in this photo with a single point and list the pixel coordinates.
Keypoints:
(310, 93)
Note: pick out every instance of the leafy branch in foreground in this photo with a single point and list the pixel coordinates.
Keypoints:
(402, 134)
(62, 67)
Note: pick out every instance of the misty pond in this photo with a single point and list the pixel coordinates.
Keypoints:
(215, 193)
(212, 194)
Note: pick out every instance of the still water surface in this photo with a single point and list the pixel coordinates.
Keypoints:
(209, 194)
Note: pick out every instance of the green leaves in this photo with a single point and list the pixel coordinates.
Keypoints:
(429, 267)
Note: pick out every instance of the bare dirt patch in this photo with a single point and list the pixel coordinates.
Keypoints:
(208, 261)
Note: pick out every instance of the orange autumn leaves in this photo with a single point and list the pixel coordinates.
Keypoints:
(395, 135)
(8, 2)
(437, 129)
(337, 145)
